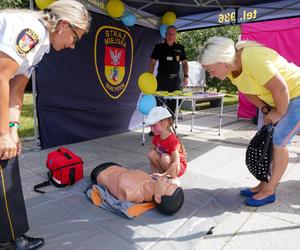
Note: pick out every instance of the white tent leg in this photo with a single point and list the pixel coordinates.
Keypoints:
(35, 121)
(34, 93)
(31, 4)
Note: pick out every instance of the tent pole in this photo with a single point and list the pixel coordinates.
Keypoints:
(34, 93)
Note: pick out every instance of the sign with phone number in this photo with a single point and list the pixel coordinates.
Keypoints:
(244, 16)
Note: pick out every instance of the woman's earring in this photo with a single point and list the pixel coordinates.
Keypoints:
(61, 29)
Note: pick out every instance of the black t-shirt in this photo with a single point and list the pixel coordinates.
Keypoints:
(169, 58)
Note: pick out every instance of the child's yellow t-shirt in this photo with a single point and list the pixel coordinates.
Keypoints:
(261, 64)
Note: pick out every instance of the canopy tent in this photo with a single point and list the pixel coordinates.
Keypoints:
(75, 96)
(195, 14)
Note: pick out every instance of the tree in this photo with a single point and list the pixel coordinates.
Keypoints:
(194, 39)
(14, 4)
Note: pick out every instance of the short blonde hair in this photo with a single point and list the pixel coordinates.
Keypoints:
(221, 49)
(71, 11)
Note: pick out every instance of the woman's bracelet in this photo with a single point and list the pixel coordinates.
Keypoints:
(14, 124)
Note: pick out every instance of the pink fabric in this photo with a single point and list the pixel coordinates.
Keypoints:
(280, 35)
(245, 108)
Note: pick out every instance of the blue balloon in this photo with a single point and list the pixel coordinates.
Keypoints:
(163, 30)
(129, 19)
(147, 103)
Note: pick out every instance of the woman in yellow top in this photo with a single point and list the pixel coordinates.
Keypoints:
(269, 82)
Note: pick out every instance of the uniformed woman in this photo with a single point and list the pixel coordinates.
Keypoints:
(25, 36)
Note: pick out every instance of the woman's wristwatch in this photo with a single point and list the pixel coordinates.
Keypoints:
(266, 109)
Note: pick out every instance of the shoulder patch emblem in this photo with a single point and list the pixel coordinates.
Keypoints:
(26, 41)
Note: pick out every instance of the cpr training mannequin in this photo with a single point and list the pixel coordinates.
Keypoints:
(167, 155)
(137, 186)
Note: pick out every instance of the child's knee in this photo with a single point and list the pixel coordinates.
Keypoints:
(152, 154)
(166, 159)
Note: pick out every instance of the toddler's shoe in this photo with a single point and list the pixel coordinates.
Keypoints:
(257, 203)
(247, 192)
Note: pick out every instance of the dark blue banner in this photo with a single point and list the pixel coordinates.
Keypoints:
(92, 91)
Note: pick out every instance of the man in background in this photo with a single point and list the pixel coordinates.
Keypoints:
(169, 54)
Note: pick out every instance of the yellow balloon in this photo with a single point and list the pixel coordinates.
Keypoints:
(169, 18)
(147, 83)
(43, 4)
(115, 8)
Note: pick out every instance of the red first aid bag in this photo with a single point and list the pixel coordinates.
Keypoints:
(65, 168)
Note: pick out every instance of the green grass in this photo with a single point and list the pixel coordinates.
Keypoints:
(26, 120)
(27, 126)
(229, 99)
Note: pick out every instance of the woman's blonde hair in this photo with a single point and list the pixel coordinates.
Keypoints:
(71, 11)
(222, 49)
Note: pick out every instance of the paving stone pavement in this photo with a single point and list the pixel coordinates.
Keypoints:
(272, 227)
(29, 144)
